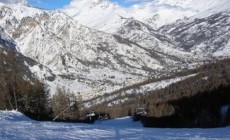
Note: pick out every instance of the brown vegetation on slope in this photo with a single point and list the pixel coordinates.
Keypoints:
(197, 94)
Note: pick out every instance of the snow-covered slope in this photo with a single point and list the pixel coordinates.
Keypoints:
(22, 63)
(199, 5)
(14, 125)
(156, 43)
(121, 95)
(6, 40)
(13, 116)
(205, 37)
(101, 14)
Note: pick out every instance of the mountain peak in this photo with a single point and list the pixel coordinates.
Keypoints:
(90, 3)
(22, 2)
(196, 4)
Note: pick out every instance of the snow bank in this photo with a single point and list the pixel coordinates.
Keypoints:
(14, 125)
(13, 116)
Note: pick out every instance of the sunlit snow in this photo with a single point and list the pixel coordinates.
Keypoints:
(14, 125)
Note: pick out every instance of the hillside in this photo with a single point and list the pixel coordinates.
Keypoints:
(196, 100)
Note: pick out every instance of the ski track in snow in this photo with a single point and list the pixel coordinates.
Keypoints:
(13, 125)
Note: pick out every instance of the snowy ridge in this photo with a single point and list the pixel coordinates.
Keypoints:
(157, 43)
(108, 16)
(21, 2)
(206, 37)
(199, 5)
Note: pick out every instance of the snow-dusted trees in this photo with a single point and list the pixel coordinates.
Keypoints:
(5, 81)
(14, 75)
(3, 90)
(11, 77)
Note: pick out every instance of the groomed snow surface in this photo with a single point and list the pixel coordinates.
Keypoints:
(15, 126)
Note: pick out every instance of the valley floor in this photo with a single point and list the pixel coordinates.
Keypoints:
(14, 125)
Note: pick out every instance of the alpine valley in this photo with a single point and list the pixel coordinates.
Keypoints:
(97, 48)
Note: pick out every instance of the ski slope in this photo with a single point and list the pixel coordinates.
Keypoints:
(14, 125)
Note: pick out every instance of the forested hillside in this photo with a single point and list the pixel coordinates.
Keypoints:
(19, 89)
(193, 102)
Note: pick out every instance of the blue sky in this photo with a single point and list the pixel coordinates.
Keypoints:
(55, 4)
(49, 4)
(125, 3)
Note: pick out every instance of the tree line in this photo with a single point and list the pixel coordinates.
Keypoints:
(20, 90)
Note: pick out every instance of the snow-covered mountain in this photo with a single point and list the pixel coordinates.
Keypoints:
(198, 5)
(208, 37)
(21, 2)
(107, 16)
(101, 14)
(205, 38)
(147, 40)
(83, 60)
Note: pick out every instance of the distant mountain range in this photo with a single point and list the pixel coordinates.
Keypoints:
(97, 47)
(107, 16)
